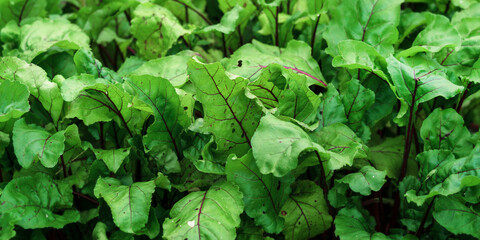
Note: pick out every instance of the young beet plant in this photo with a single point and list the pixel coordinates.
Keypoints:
(243, 119)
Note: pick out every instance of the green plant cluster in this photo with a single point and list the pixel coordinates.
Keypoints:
(239, 119)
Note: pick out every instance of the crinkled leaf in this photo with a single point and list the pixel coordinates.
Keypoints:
(43, 34)
(14, 100)
(366, 180)
(156, 29)
(225, 106)
(277, 145)
(264, 195)
(211, 214)
(305, 212)
(129, 205)
(466, 219)
(38, 201)
(32, 143)
(443, 129)
(463, 60)
(352, 224)
(371, 21)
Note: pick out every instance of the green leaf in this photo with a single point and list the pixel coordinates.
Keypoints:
(95, 100)
(331, 108)
(43, 34)
(409, 23)
(113, 158)
(375, 23)
(443, 129)
(10, 10)
(211, 214)
(129, 205)
(4, 142)
(37, 82)
(156, 30)
(86, 62)
(340, 139)
(438, 34)
(366, 180)
(356, 100)
(14, 100)
(316, 7)
(388, 157)
(225, 106)
(168, 68)
(449, 176)
(277, 145)
(228, 24)
(160, 95)
(353, 54)
(467, 219)
(385, 101)
(99, 19)
(255, 56)
(32, 143)
(38, 201)
(264, 195)
(305, 212)
(351, 224)
(99, 232)
(281, 31)
(298, 101)
(152, 229)
(268, 86)
(59, 64)
(420, 80)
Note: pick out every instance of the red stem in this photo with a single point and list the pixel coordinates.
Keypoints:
(86, 197)
(301, 72)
